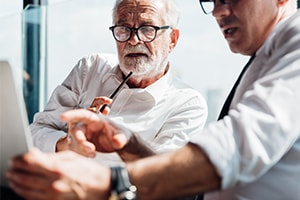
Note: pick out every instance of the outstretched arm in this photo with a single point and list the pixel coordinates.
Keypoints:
(67, 175)
(187, 168)
(184, 172)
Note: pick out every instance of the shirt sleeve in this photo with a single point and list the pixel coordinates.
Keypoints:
(263, 125)
(47, 128)
(77, 91)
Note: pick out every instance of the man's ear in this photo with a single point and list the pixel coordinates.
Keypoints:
(174, 36)
(281, 2)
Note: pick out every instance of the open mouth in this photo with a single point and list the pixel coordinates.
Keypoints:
(133, 55)
(229, 32)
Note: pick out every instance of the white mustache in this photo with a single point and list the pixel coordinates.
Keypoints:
(136, 49)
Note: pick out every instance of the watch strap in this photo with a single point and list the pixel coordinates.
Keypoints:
(120, 184)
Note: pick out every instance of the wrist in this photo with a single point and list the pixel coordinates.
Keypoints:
(62, 144)
(135, 149)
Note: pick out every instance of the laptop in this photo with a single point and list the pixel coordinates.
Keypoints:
(15, 137)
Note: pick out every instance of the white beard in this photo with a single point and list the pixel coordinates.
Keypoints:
(143, 66)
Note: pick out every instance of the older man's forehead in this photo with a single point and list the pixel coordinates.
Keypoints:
(136, 6)
(140, 9)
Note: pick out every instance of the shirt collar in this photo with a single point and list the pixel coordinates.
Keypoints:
(267, 45)
(158, 88)
(114, 73)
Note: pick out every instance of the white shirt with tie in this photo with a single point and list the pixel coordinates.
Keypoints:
(256, 147)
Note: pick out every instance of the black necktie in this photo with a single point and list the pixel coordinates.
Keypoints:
(227, 103)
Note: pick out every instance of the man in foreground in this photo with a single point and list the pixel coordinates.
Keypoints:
(253, 152)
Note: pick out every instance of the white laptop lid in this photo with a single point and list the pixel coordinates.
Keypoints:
(15, 137)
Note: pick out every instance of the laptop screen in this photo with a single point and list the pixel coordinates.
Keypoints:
(15, 137)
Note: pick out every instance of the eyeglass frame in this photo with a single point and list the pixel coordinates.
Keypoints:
(136, 30)
(214, 1)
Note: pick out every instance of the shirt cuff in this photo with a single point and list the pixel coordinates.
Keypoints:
(48, 141)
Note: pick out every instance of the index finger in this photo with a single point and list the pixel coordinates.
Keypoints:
(81, 115)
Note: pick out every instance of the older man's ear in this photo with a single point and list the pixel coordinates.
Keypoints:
(174, 36)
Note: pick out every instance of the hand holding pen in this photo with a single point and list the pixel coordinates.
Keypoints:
(77, 141)
(100, 103)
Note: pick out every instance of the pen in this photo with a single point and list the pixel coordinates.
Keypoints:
(116, 90)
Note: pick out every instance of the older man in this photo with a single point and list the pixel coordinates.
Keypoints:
(252, 152)
(162, 111)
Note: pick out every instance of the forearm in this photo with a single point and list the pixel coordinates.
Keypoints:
(184, 172)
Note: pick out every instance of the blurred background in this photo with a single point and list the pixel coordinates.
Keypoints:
(43, 40)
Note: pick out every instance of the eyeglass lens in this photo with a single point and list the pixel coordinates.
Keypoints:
(208, 5)
(144, 33)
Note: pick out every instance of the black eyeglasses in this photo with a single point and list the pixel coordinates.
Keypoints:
(209, 5)
(145, 33)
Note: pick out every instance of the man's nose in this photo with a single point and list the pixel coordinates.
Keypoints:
(221, 9)
(134, 39)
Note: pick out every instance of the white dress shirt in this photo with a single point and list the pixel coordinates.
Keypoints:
(164, 115)
(256, 148)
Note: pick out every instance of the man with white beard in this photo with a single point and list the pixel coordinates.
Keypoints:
(154, 104)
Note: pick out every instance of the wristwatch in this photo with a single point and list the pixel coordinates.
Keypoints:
(121, 188)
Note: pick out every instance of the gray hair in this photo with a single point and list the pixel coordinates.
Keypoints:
(171, 17)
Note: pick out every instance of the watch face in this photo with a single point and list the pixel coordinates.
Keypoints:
(128, 195)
